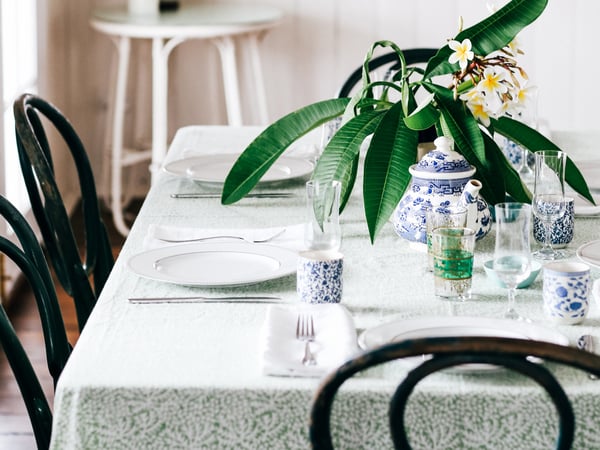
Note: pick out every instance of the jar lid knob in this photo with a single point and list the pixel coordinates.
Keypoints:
(444, 143)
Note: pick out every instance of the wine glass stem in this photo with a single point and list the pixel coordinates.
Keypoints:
(548, 236)
(511, 313)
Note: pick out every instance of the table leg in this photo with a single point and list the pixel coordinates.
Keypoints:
(159, 104)
(123, 48)
(226, 46)
(259, 84)
(160, 85)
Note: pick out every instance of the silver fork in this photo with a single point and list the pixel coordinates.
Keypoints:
(243, 238)
(305, 332)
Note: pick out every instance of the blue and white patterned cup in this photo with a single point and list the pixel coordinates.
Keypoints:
(562, 230)
(566, 291)
(319, 276)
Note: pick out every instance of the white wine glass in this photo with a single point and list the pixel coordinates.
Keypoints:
(549, 197)
(512, 254)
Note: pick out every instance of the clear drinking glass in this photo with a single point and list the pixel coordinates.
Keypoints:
(528, 115)
(322, 227)
(519, 155)
(453, 262)
(446, 217)
(512, 255)
(549, 197)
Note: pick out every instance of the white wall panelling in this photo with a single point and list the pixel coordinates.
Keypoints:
(308, 56)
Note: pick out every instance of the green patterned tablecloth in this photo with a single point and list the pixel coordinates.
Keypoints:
(188, 375)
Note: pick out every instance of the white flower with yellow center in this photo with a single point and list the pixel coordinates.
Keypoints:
(472, 96)
(514, 46)
(462, 53)
(525, 94)
(480, 113)
(491, 82)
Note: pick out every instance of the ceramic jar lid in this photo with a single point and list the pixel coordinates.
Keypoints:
(442, 163)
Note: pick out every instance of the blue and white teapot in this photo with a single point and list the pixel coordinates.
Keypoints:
(442, 178)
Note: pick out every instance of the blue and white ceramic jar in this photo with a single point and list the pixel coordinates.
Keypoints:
(562, 229)
(566, 291)
(438, 181)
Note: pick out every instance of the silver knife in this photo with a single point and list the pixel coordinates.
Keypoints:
(200, 299)
(257, 195)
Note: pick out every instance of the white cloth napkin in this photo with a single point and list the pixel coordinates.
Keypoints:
(335, 340)
(292, 238)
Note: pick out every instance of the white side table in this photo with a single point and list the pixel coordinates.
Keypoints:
(224, 25)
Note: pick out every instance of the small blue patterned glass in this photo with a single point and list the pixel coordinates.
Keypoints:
(319, 276)
(562, 230)
(566, 293)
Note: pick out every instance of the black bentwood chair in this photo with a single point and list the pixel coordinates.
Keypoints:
(73, 270)
(449, 352)
(31, 390)
(29, 257)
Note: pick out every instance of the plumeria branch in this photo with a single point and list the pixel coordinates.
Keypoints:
(492, 85)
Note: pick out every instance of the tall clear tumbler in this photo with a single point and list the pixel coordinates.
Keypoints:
(322, 227)
(549, 197)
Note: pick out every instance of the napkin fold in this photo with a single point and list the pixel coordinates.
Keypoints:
(292, 238)
(335, 340)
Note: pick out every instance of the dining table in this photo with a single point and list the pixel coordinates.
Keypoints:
(192, 374)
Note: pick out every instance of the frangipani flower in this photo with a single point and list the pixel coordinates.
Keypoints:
(473, 96)
(514, 46)
(480, 113)
(492, 82)
(525, 94)
(462, 53)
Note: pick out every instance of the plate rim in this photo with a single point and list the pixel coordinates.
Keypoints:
(579, 254)
(287, 259)
(462, 321)
(302, 172)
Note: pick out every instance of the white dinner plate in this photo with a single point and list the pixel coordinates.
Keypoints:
(214, 168)
(214, 265)
(590, 253)
(455, 326)
(584, 208)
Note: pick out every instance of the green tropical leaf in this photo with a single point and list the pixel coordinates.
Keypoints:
(339, 160)
(502, 176)
(460, 123)
(491, 34)
(258, 157)
(533, 141)
(425, 116)
(392, 151)
(522, 134)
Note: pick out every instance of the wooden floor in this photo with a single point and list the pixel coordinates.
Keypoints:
(15, 428)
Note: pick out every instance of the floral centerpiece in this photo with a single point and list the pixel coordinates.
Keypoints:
(487, 87)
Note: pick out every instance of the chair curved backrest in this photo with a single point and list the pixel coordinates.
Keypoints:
(390, 60)
(72, 270)
(31, 390)
(29, 257)
(448, 352)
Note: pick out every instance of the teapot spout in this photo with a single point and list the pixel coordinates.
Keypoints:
(478, 213)
(470, 193)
